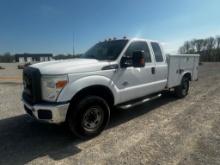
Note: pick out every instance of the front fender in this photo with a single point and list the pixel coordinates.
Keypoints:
(74, 87)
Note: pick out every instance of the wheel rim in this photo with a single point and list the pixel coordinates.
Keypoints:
(92, 119)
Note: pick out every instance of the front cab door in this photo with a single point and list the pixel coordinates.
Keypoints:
(135, 82)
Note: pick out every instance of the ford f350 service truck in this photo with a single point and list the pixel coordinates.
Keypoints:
(82, 91)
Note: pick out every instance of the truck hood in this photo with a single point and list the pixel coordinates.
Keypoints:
(70, 66)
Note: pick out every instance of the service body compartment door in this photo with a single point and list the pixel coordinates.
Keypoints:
(180, 64)
(173, 71)
(196, 68)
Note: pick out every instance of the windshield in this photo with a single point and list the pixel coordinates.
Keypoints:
(107, 51)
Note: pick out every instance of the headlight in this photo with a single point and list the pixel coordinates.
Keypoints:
(52, 86)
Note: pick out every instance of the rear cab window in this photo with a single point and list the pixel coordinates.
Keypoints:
(157, 52)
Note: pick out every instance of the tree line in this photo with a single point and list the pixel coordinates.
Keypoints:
(208, 48)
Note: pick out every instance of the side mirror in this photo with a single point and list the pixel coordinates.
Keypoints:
(126, 61)
(138, 59)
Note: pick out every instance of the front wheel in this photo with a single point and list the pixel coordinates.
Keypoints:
(88, 117)
(182, 90)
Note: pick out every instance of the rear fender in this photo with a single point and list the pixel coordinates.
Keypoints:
(186, 73)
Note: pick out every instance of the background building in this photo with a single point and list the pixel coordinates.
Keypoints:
(26, 57)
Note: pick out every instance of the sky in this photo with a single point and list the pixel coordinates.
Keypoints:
(48, 26)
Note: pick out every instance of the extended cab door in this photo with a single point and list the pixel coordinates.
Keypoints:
(135, 82)
(160, 67)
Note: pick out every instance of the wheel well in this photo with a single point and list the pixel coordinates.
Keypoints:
(98, 90)
(188, 75)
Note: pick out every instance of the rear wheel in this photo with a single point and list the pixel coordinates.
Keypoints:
(182, 90)
(88, 117)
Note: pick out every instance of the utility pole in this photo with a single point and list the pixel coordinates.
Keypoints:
(73, 44)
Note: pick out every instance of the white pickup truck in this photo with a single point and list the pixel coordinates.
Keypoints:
(112, 73)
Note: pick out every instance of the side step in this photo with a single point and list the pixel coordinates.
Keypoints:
(140, 101)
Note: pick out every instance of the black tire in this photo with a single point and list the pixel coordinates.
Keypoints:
(88, 117)
(182, 90)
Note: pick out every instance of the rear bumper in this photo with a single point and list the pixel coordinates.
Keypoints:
(50, 113)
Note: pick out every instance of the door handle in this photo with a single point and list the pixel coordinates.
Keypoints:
(153, 70)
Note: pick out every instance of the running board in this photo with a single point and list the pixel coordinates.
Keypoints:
(139, 102)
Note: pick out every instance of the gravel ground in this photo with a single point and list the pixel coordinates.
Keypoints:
(162, 131)
(10, 72)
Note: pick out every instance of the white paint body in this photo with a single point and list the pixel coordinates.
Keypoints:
(187, 63)
(125, 83)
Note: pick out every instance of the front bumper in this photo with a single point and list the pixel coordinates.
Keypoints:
(50, 113)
